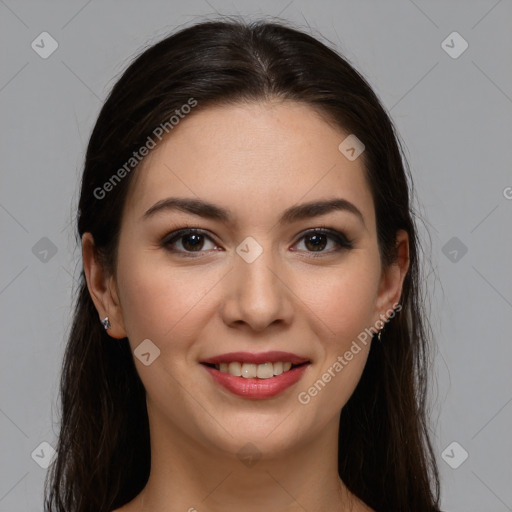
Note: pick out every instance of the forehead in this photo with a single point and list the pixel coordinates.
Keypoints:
(255, 159)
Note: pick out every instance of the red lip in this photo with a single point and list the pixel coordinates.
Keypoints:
(257, 388)
(260, 358)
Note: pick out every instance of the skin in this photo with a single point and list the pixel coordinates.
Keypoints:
(255, 160)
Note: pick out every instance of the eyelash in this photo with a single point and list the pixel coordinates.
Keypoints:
(339, 238)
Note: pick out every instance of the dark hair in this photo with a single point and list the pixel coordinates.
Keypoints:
(385, 455)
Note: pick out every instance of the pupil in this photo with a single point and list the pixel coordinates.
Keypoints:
(318, 243)
(194, 245)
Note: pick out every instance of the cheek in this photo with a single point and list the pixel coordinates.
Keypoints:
(343, 298)
(158, 299)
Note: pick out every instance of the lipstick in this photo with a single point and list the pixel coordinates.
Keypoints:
(256, 388)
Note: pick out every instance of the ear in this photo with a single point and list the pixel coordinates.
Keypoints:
(392, 279)
(102, 288)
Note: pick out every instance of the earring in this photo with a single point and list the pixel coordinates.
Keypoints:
(378, 335)
(106, 323)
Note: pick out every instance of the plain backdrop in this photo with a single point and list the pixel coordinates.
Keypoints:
(452, 106)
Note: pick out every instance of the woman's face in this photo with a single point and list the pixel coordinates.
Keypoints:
(253, 279)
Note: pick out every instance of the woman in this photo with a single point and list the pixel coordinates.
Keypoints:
(248, 332)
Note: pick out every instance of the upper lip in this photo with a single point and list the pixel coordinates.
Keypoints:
(259, 358)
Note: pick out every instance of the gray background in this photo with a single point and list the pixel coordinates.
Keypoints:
(454, 115)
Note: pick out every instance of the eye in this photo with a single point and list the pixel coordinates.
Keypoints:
(190, 239)
(317, 239)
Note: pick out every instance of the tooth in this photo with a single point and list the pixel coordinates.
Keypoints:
(235, 369)
(249, 370)
(278, 368)
(265, 371)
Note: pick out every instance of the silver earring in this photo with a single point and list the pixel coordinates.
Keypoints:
(106, 323)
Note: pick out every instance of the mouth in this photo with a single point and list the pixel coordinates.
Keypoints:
(256, 376)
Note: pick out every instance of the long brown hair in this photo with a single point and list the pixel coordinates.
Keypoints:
(103, 452)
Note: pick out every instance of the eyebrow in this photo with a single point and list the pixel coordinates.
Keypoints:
(211, 211)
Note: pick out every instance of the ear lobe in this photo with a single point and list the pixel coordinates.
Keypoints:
(102, 288)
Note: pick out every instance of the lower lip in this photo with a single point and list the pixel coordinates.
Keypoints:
(257, 388)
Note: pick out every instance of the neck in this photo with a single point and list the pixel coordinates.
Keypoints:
(189, 476)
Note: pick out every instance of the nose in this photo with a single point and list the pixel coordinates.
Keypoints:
(257, 294)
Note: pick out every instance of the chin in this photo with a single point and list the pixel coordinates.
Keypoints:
(268, 435)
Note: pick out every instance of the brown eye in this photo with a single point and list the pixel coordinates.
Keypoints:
(316, 242)
(318, 239)
(187, 241)
(192, 242)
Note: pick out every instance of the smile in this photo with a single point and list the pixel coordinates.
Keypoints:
(256, 376)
